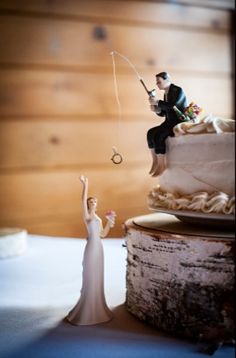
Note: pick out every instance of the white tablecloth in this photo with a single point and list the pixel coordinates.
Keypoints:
(38, 288)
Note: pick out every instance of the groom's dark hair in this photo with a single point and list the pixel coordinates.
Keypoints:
(163, 75)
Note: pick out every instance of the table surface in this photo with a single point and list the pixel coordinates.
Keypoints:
(39, 287)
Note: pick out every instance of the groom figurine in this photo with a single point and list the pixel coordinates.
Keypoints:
(156, 136)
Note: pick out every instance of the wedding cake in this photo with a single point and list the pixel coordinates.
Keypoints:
(180, 277)
(200, 165)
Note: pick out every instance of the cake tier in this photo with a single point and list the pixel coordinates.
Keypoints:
(200, 168)
(200, 163)
(179, 279)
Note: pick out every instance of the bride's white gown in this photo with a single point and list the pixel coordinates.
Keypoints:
(91, 307)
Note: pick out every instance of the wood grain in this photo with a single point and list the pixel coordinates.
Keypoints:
(40, 93)
(67, 43)
(52, 144)
(41, 199)
(58, 111)
(171, 275)
(133, 12)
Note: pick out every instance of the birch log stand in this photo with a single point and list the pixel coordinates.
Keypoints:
(180, 277)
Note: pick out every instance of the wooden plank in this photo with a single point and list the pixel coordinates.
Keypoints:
(61, 43)
(42, 93)
(49, 199)
(73, 226)
(58, 109)
(25, 144)
(141, 12)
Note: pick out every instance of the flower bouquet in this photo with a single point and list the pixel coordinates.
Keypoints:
(110, 216)
(190, 113)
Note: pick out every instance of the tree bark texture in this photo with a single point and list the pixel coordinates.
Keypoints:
(181, 283)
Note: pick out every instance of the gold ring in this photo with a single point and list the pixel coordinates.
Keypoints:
(117, 157)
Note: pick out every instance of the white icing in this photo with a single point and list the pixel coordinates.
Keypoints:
(200, 170)
(207, 124)
(217, 202)
(203, 162)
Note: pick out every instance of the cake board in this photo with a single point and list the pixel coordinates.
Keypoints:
(180, 276)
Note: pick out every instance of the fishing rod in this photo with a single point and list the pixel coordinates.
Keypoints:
(151, 93)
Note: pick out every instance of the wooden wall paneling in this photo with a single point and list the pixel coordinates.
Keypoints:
(64, 43)
(58, 113)
(28, 145)
(40, 198)
(213, 94)
(46, 93)
(73, 226)
(142, 12)
(54, 191)
(217, 4)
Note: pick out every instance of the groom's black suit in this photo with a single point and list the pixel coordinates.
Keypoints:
(156, 136)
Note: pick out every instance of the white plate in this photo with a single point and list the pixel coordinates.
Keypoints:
(195, 217)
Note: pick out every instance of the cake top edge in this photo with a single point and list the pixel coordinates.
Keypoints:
(206, 124)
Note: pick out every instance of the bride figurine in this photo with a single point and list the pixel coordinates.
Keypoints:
(92, 307)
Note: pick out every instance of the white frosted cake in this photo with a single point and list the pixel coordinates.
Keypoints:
(180, 278)
(13, 242)
(200, 169)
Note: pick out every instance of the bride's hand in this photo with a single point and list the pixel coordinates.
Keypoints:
(83, 179)
(152, 100)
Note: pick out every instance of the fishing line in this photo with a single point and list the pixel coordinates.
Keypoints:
(117, 157)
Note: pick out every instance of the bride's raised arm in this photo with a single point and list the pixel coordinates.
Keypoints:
(84, 181)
